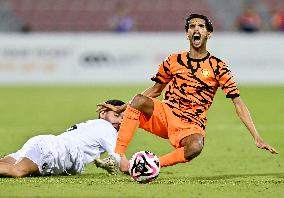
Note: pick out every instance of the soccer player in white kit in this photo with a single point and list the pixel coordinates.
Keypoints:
(69, 152)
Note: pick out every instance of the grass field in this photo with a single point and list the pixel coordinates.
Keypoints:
(229, 166)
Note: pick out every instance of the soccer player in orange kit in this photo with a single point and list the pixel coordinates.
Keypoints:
(190, 80)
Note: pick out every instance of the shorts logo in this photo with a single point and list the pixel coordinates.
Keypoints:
(44, 166)
(205, 72)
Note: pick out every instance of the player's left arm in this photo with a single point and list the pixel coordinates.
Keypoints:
(245, 117)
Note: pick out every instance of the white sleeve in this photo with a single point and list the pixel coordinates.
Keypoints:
(108, 140)
(108, 144)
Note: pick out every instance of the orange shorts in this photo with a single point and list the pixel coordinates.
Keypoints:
(165, 124)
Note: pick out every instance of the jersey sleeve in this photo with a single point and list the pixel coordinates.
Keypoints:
(226, 81)
(163, 76)
(108, 145)
(108, 140)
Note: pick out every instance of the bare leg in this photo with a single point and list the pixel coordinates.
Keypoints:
(8, 160)
(23, 167)
(193, 146)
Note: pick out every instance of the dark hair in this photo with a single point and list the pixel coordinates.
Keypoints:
(115, 102)
(208, 23)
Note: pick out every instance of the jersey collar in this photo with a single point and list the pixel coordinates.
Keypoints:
(197, 59)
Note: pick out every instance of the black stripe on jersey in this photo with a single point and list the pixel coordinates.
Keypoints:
(194, 80)
(232, 85)
(190, 66)
(179, 60)
(157, 80)
(215, 72)
(207, 88)
(218, 67)
(202, 100)
(224, 71)
(191, 118)
(233, 90)
(159, 76)
(194, 76)
(226, 86)
(232, 95)
(166, 69)
(166, 61)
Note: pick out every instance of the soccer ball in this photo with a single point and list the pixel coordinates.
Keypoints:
(144, 166)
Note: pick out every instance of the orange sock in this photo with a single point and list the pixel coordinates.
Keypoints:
(128, 126)
(175, 157)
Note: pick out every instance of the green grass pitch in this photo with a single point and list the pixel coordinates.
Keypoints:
(229, 166)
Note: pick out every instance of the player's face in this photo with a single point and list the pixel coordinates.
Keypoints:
(112, 117)
(197, 33)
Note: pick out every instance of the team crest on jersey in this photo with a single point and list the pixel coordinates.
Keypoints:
(205, 72)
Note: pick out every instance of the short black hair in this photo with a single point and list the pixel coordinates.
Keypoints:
(115, 102)
(208, 23)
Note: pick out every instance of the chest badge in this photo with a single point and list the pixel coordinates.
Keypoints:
(205, 72)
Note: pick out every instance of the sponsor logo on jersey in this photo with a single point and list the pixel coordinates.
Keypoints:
(180, 71)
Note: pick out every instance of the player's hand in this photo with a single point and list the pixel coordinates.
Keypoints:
(120, 109)
(263, 145)
(109, 164)
(104, 107)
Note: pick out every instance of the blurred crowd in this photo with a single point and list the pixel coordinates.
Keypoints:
(251, 21)
(135, 15)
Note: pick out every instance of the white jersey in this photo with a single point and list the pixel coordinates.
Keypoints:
(92, 138)
(70, 151)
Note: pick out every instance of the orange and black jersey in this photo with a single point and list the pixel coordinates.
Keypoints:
(192, 85)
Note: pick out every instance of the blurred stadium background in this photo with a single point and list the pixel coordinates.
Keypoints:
(98, 41)
(49, 44)
(92, 15)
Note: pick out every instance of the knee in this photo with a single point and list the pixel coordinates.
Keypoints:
(138, 101)
(17, 172)
(193, 150)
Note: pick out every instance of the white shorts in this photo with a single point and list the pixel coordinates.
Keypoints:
(53, 157)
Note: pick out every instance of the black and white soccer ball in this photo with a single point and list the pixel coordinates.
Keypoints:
(144, 166)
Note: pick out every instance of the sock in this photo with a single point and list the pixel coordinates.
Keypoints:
(175, 157)
(128, 126)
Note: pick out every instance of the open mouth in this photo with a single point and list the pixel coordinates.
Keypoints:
(196, 38)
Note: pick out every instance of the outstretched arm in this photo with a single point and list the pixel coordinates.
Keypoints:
(111, 165)
(245, 117)
(154, 91)
(123, 166)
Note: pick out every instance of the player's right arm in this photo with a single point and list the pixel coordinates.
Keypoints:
(154, 91)
(161, 79)
(123, 167)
